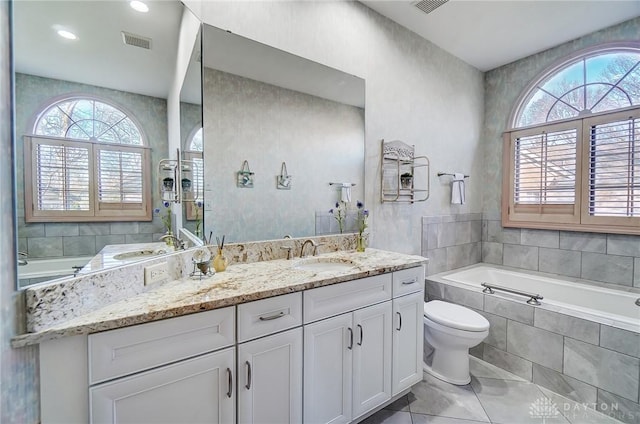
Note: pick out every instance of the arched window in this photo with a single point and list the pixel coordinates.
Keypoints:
(572, 160)
(194, 153)
(87, 161)
(592, 83)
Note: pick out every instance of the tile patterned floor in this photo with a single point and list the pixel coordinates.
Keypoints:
(494, 396)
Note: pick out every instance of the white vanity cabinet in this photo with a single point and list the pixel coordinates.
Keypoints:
(270, 367)
(347, 358)
(176, 370)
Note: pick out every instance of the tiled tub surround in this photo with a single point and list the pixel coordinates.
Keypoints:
(451, 241)
(608, 258)
(238, 284)
(590, 360)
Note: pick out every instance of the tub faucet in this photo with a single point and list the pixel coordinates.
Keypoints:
(177, 243)
(312, 243)
(22, 258)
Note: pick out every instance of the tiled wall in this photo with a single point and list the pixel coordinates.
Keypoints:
(583, 360)
(608, 258)
(451, 241)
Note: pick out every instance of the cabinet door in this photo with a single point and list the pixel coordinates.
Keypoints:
(407, 341)
(197, 390)
(371, 357)
(270, 382)
(328, 351)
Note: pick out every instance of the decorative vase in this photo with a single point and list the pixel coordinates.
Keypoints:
(360, 245)
(169, 240)
(219, 262)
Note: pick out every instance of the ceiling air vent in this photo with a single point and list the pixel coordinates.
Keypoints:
(136, 40)
(428, 6)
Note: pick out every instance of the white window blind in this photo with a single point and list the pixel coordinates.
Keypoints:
(62, 177)
(69, 180)
(614, 169)
(545, 168)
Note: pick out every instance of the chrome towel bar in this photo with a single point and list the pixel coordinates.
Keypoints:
(533, 298)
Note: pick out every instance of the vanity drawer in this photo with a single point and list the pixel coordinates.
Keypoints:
(128, 350)
(408, 281)
(266, 316)
(335, 299)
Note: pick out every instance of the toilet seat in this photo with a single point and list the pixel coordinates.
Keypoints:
(455, 316)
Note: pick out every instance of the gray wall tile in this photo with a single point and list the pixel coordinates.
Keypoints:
(447, 234)
(586, 242)
(511, 235)
(512, 363)
(603, 368)
(492, 252)
(124, 228)
(520, 312)
(53, 229)
(564, 385)
(623, 245)
(44, 247)
(636, 272)
(463, 232)
(497, 330)
(536, 345)
(463, 297)
(541, 238)
(557, 261)
(79, 246)
(157, 226)
(437, 261)
(618, 408)
(516, 256)
(494, 232)
(432, 231)
(31, 230)
(138, 238)
(434, 289)
(580, 329)
(477, 351)
(22, 245)
(622, 341)
(607, 268)
(476, 231)
(463, 255)
(94, 229)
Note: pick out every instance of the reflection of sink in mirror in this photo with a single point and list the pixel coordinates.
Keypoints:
(138, 254)
(324, 264)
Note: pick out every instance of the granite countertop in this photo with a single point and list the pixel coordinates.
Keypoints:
(240, 283)
(108, 257)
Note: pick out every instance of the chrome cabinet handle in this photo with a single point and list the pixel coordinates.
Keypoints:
(361, 335)
(248, 385)
(269, 318)
(230, 376)
(406, 283)
(350, 338)
(399, 321)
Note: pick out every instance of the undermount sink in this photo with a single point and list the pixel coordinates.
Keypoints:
(324, 264)
(138, 254)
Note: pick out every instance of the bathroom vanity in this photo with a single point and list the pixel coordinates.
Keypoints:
(276, 341)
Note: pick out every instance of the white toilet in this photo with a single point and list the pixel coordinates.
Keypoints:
(451, 330)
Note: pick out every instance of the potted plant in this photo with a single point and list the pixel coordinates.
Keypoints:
(406, 180)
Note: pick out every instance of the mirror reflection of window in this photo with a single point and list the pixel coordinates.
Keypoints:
(86, 159)
(194, 153)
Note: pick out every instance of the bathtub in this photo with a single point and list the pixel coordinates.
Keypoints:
(50, 268)
(599, 302)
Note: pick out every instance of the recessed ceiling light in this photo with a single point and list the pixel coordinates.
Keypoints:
(139, 6)
(67, 34)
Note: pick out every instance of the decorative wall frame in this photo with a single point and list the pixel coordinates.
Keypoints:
(245, 176)
(283, 181)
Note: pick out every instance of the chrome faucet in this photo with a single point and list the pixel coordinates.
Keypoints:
(177, 243)
(22, 258)
(312, 243)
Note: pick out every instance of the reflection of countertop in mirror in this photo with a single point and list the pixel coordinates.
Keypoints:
(114, 255)
(240, 283)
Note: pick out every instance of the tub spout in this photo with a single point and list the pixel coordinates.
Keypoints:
(22, 259)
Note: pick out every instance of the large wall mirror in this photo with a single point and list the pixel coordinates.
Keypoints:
(262, 108)
(122, 65)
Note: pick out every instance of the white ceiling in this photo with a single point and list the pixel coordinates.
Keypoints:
(99, 57)
(491, 33)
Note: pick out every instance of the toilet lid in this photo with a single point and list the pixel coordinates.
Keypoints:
(455, 316)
